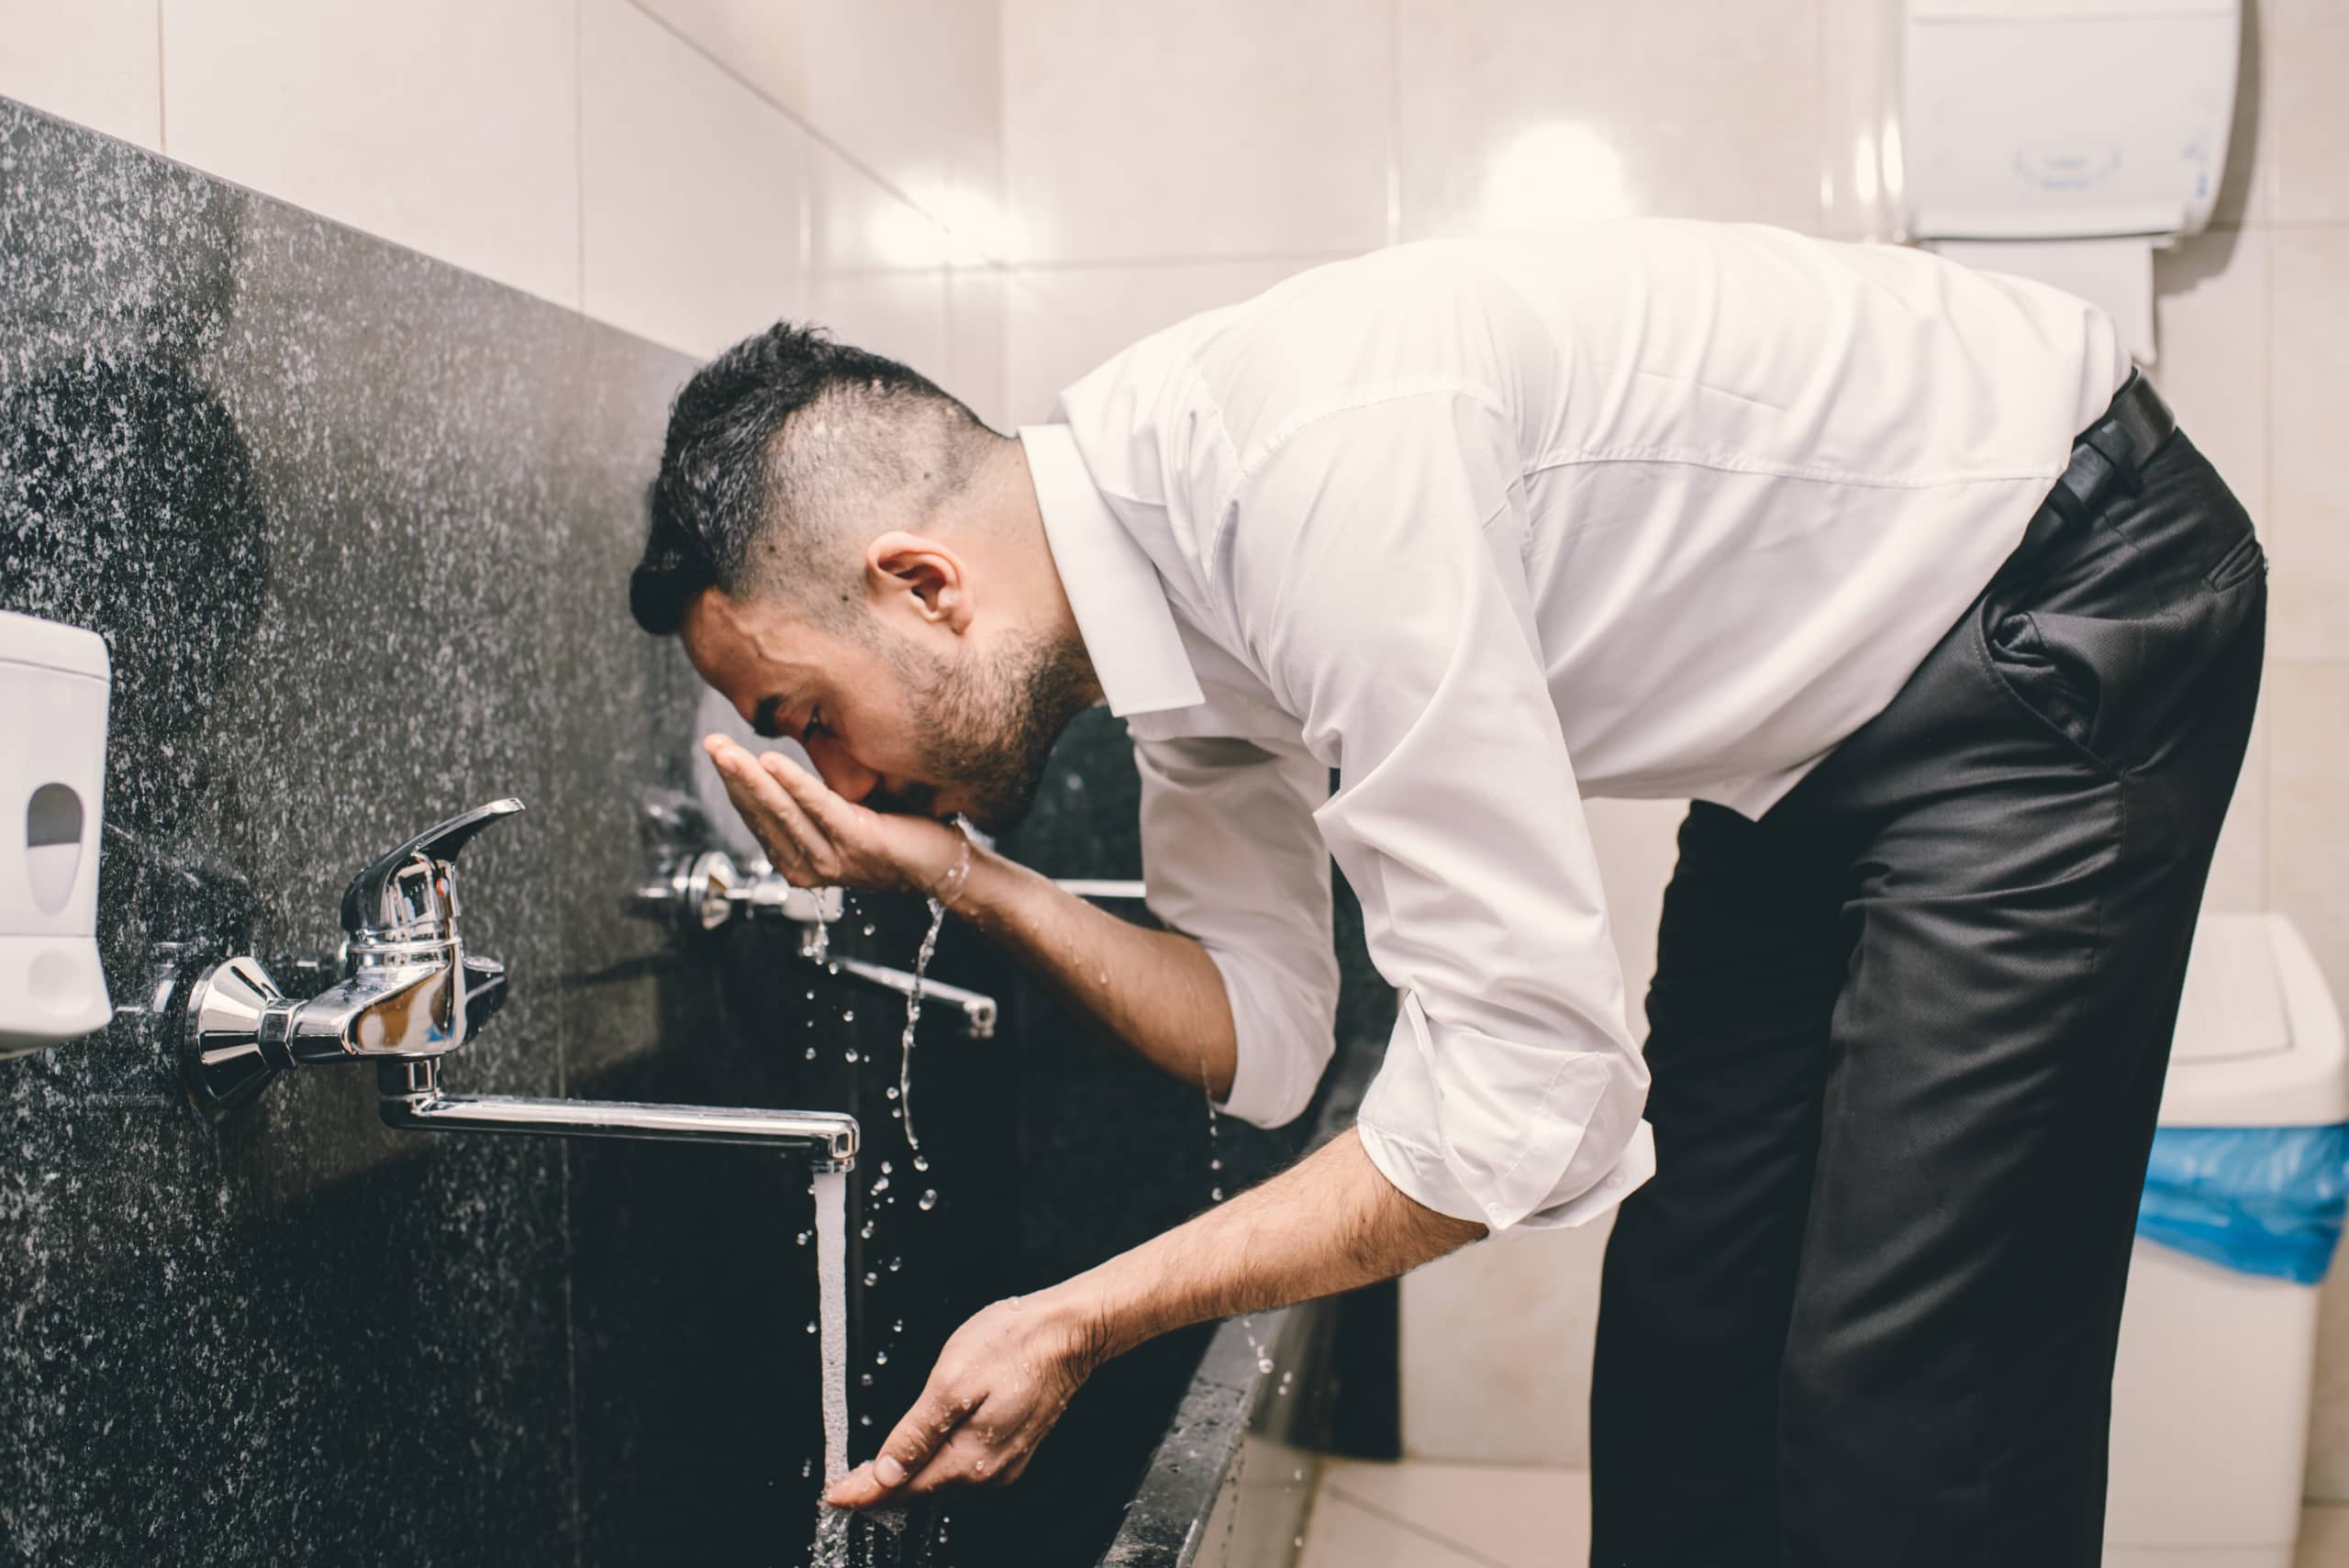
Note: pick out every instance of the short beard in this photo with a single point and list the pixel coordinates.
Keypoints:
(991, 724)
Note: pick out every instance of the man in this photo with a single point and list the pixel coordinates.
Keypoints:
(1798, 530)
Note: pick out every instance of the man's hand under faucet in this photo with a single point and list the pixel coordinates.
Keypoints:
(1329, 1223)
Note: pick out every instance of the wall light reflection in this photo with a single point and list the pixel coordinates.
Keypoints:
(1557, 172)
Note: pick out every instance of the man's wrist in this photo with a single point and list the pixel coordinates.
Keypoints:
(1081, 1312)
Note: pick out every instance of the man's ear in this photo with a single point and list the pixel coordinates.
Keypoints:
(923, 574)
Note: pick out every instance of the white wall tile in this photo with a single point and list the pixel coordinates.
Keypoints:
(1496, 1344)
(695, 190)
(912, 89)
(2239, 867)
(1217, 127)
(1343, 1534)
(973, 371)
(878, 272)
(448, 126)
(2309, 511)
(97, 63)
(1637, 843)
(1856, 46)
(1518, 1517)
(2307, 123)
(1517, 114)
(2308, 876)
(1062, 322)
(2210, 313)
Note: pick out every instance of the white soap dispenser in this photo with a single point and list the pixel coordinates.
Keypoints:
(54, 682)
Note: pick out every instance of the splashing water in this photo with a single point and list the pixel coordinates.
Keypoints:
(830, 1550)
(913, 1017)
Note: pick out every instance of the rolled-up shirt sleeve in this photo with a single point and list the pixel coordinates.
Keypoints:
(1232, 858)
(1373, 572)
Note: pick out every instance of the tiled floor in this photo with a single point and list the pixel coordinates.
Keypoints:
(1424, 1515)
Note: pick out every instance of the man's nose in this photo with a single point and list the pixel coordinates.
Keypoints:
(841, 773)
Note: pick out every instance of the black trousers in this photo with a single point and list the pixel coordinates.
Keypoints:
(1908, 1035)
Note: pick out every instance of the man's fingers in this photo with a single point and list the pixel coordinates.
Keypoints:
(904, 1452)
(807, 791)
(752, 786)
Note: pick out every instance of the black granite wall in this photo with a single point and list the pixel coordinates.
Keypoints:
(355, 526)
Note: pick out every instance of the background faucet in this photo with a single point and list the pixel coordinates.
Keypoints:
(410, 994)
(695, 888)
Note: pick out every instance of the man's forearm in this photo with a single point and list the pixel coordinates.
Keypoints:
(1157, 992)
(1329, 1223)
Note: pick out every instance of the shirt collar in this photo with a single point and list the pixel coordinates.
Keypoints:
(1120, 605)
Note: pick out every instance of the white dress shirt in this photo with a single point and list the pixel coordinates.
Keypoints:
(1642, 509)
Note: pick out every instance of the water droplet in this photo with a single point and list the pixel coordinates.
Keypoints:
(1263, 1363)
(898, 1327)
(893, 1091)
(880, 1358)
(921, 1161)
(867, 1231)
(811, 1324)
(886, 1167)
(871, 1278)
(811, 995)
(865, 1421)
(865, 1378)
(1216, 1194)
(880, 1186)
(868, 928)
(894, 1263)
(803, 1237)
(848, 1015)
(1214, 1164)
(811, 1053)
(848, 1055)
(929, 1199)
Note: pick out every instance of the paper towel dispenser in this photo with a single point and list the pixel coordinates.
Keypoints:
(2079, 133)
(54, 683)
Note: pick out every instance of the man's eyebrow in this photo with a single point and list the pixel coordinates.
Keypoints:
(768, 719)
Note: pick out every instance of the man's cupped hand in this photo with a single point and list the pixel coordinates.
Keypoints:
(817, 839)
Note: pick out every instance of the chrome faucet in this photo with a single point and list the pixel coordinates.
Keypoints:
(411, 993)
(697, 889)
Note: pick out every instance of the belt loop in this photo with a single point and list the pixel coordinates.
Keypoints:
(2111, 440)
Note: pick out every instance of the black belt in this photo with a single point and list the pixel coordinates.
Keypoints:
(2109, 456)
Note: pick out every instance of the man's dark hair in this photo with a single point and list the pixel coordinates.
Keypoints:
(786, 455)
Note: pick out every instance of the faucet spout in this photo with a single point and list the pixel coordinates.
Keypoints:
(413, 1100)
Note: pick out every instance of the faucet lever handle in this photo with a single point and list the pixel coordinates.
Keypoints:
(372, 901)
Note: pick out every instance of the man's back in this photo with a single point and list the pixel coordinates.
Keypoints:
(1746, 478)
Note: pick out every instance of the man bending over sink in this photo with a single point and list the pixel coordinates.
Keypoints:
(1894, 569)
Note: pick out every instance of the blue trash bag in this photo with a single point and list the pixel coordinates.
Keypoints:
(2260, 1200)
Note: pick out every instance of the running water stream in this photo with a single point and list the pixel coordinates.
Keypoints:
(832, 1535)
(913, 1017)
(831, 1310)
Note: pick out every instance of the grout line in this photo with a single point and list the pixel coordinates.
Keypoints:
(1112, 264)
(1394, 121)
(579, 138)
(163, 137)
(2268, 509)
(808, 127)
(1412, 1527)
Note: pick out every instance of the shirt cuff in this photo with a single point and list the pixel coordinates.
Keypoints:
(1271, 1084)
(1499, 1132)
(1422, 1175)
